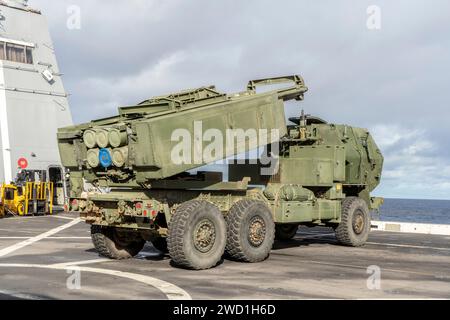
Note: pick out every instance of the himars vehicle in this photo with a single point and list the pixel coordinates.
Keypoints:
(146, 191)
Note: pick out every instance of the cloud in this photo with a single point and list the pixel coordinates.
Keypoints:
(394, 80)
(114, 90)
(413, 168)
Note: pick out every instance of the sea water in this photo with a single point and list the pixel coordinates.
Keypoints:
(418, 211)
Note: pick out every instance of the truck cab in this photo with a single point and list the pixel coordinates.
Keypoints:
(12, 199)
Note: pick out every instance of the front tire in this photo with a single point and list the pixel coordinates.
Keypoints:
(251, 231)
(355, 223)
(197, 235)
(21, 209)
(110, 244)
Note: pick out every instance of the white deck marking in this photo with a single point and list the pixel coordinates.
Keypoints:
(378, 243)
(32, 240)
(53, 238)
(18, 295)
(25, 218)
(37, 217)
(382, 269)
(78, 263)
(16, 231)
(171, 291)
(407, 246)
(13, 238)
(62, 217)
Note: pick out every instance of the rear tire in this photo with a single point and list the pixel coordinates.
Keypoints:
(355, 223)
(197, 235)
(285, 232)
(21, 209)
(110, 244)
(251, 231)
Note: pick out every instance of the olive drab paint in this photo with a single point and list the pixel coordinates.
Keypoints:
(318, 164)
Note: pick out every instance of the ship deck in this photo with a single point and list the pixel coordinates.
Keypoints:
(39, 257)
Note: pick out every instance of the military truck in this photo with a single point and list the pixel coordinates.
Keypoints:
(145, 189)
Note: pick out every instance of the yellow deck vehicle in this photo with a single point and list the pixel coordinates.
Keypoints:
(33, 197)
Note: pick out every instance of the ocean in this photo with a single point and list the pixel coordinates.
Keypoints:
(419, 211)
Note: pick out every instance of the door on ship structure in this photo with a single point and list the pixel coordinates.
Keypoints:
(57, 176)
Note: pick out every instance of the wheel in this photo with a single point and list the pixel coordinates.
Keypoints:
(251, 231)
(111, 243)
(160, 244)
(197, 235)
(354, 228)
(21, 209)
(284, 232)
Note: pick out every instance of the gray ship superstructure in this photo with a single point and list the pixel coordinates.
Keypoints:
(33, 102)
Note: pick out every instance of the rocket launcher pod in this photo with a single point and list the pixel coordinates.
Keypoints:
(167, 135)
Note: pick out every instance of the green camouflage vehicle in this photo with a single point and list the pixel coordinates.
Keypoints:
(140, 164)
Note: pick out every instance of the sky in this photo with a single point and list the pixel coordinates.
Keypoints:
(385, 68)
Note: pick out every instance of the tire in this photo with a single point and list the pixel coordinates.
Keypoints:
(197, 235)
(108, 243)
(285, 232)
(243, 244)
(160, 244)
(355, 223)
(21, 209)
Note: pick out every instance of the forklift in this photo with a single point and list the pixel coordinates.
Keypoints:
(27, 195)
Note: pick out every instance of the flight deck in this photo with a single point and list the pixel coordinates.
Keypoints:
(40, 258)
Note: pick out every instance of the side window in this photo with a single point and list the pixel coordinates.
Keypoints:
(9, 194)
(29, 55)
(16, 53)
(2, 51)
